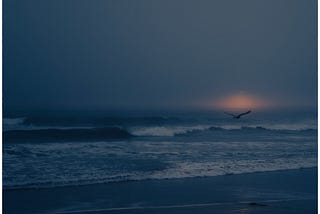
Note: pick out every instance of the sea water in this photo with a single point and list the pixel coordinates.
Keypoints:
(50, 150)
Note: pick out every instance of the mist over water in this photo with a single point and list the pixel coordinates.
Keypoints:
(157, 54)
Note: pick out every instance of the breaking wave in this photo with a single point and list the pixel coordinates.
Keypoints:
(165, 131)
(76, 149)
(43, 134)
(13, 121)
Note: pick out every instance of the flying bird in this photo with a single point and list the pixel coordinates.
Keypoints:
(237, 116)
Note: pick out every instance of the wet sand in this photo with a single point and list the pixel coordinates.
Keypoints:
(288, 191)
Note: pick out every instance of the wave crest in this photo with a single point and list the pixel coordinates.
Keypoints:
(171, 131)
(13, 121)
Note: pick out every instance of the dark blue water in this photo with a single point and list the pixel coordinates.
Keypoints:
(75, 148)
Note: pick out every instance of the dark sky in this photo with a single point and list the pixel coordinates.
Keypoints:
(157, 54)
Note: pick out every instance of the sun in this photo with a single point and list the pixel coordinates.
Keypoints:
(240, 101)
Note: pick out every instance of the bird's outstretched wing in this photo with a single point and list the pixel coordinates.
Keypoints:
(233, 115)
(244, 113)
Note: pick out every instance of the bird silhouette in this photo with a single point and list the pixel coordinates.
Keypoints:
(237, 116)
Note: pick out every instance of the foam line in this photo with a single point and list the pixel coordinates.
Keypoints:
(182, 206)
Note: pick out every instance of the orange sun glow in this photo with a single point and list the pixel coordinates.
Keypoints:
(240, 102)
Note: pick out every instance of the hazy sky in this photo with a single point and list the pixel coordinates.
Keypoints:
(151, 54)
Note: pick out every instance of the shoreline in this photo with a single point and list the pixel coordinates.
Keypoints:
(282, 191)
(142, 180)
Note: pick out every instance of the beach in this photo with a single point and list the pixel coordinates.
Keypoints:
(179, 163)
(287, 191)
(152, 107)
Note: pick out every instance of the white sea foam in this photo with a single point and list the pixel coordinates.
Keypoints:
(63, 164)
(13, 121)
(168, 131)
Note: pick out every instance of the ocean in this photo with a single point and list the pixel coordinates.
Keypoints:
(46, 150)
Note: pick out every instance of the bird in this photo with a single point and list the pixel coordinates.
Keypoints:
(237, 116)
